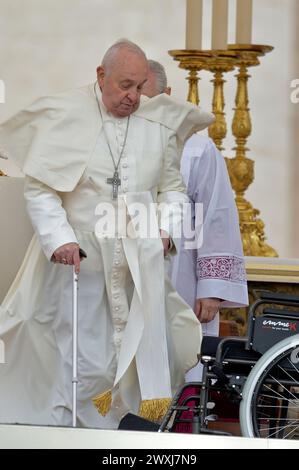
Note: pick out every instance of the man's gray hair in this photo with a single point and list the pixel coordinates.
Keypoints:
(110, 56)
(159, 71)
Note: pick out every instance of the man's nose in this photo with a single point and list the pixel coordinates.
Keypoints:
(133, 95)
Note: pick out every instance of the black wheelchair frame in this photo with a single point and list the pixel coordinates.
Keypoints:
(259, 373)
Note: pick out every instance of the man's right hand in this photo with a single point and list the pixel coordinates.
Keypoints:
(68, 254)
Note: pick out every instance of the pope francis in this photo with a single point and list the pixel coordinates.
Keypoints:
(81, 151)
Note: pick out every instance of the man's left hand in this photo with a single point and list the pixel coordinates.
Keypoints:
(206, 309)
(165, 240)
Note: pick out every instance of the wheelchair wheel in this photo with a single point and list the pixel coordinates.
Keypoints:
(270, 397)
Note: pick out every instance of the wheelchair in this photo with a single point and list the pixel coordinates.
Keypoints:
(258, 374)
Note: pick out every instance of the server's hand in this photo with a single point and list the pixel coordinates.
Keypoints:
(165, 240)
(206, 309)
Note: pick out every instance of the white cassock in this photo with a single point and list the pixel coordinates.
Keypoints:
(137, 337)
(216, 268)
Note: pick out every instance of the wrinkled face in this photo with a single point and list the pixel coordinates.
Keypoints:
(150, 87)
(122, 82)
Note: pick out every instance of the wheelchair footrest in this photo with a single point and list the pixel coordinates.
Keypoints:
(211, 418)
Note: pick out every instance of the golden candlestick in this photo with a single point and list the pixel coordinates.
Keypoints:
(193, 61)
(240, 168)
(193, 95)
(217, 62)
(222, 62)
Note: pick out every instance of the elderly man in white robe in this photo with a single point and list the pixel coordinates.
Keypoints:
(85, 152)
(213, 274)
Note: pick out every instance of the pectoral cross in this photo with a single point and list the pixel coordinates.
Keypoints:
(115, 181)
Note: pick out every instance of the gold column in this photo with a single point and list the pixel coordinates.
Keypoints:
(193, 78)
(218, 65)
(241, 168)
(193, 61)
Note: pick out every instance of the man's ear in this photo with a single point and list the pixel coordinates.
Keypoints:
(167, 90)
(100, 75)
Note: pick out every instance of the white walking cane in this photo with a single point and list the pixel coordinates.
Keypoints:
(75, 346)
(75, 339)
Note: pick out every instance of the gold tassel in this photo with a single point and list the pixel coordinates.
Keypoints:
(154, 409)
(102, 402)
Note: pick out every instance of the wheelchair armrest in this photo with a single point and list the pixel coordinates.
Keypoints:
(282, 314)
(224, 342)
(278, 297)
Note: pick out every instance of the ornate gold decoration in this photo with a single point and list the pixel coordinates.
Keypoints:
(150, 409)
(194, 61)
(154, 409)
(221, 63)
(2, 174)
(217, 62)
(240, 168)
(103, 402)
(193, 78)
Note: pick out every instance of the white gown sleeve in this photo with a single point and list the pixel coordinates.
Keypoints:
(47, 215)
(171, 192)
(220, 268)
